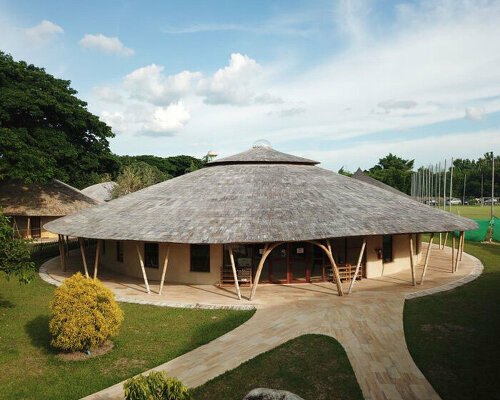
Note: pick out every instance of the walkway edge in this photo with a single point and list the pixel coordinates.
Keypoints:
(171, 304)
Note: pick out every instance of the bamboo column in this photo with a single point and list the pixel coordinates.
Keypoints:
(62, 256)
(428, 254)
(453, 252)
(445, 240)
(412, 261)
(28, 228)
(141, 261)
(84, 259)
(462, 234)
(235, 273)
(440, 240)
(96, 262)
(164, 271)
(360, 258)
(459, 251)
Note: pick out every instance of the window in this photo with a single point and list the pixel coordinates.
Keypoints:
(200, 258)
(119, 251)
(151, 255)
(387, 248)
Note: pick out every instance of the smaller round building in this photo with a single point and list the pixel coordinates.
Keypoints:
(261, 216)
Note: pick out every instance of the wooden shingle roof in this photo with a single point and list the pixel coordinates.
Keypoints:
(241, 202)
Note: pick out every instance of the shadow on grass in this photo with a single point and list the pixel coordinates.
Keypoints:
(38, 331)
(6, 303)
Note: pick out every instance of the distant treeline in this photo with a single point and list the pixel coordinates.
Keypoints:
(397, 172)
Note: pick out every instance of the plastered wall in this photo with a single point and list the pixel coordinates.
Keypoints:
(375, 267)
(178, 267)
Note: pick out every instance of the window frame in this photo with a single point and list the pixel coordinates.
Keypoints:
(385, 257)
(205, 268)
(147, 257)
(119, 251)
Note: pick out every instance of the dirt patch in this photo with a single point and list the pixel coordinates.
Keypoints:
(121, 364)
(446, 329)
(80, 355)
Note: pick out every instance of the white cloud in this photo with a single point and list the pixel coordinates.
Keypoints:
(475, 113)
(43, 32)
(150, 84)
(231, 84)
(288, 112)
(165, 121)
(389, 105)
(267, 98)
(105, 44)
(116, 120)
(108, 95)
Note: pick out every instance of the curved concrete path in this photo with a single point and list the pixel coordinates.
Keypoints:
(368, 323)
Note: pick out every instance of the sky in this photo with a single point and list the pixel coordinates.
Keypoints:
(341, 82)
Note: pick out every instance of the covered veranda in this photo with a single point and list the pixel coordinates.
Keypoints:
(439, 271)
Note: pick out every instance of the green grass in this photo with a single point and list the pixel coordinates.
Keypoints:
(314, 367)
(149, 336)
(453, 336)
(474, 212)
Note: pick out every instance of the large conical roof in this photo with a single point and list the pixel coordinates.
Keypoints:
(257, 196)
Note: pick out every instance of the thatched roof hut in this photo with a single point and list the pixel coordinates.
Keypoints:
(100, 191)
(361, 176)
(33, 199)
(260, 195)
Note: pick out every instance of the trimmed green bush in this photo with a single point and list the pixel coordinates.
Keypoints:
(155, 386)
(84, 314)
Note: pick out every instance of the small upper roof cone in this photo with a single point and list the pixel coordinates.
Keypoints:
(262, 153)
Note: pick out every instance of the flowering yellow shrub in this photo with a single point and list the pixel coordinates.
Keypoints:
(84, 314)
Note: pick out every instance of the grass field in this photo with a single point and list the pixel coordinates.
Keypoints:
(475, 212)
(314, 367)
(453, 336)
(149, 336)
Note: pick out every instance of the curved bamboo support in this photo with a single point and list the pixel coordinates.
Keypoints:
(96, 262)
(328, 250)
(141, 261)
(412, 262)
(267, 249)
(164, 271)
(235, 274)
(358, 265)
(84, 259)
(427, 256)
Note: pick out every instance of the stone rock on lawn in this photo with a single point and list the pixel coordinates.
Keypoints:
(271, 394)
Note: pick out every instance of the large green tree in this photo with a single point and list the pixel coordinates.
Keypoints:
(47, 132)
(393, 171)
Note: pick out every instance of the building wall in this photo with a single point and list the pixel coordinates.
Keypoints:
(375, 267)
(178, 268)
(22, 225)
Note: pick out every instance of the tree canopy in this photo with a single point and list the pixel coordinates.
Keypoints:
(46, 132)
(137, 176)
(393, 171)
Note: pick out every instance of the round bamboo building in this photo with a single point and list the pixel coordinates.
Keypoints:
(259, 216)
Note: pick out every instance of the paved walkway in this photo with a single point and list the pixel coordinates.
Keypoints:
(368, 323)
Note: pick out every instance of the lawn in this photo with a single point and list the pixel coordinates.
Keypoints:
(453, 336)
(474, 212)
(149, 336)
(314, 367)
